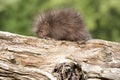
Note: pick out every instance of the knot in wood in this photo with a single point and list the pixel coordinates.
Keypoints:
(68, 71)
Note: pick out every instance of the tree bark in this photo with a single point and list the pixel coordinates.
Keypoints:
(30, 58)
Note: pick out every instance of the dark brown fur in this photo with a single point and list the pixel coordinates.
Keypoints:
(61, 24)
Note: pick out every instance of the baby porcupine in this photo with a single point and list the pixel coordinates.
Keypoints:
(61, 24)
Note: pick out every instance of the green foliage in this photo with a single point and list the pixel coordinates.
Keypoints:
(101, 16)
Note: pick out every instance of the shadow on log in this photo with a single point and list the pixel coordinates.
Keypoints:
(30, 58)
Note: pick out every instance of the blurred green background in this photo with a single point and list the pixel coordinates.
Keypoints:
(101, 16)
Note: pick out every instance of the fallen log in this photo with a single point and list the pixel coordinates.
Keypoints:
(31, 58)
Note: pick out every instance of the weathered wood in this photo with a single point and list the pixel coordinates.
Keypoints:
(30, 58)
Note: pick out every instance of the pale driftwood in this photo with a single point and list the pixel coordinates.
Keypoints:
(30, 58)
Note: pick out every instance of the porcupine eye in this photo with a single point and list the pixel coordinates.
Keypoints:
(41, 31)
